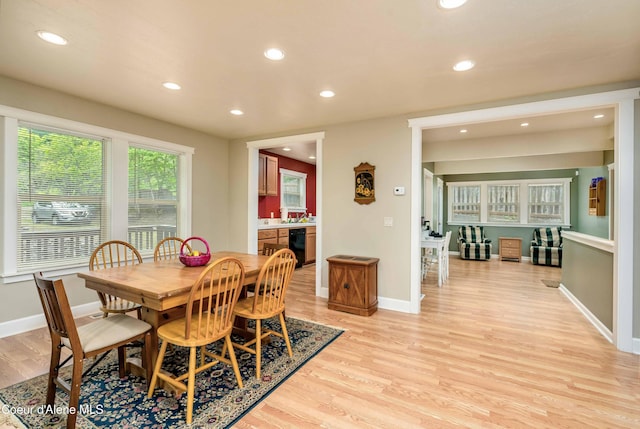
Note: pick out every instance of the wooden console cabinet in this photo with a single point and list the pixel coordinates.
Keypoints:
(353, 284)
(510, 248)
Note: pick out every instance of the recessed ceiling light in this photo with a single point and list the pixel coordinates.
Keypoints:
(464, 65)
(463, 131)
(51, 38)
(172, 85)
(312, 157)
(286, 149)
(451, 4)
(327, 93)
(236, 112)
(274, 54)
(524, 124)
(599, 116)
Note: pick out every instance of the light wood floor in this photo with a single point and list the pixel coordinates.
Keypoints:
(492, 348)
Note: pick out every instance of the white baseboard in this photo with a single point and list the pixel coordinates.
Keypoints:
(25, 324)
(394, 304)
(588, 314)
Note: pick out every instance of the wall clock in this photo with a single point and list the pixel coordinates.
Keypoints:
(364, 183)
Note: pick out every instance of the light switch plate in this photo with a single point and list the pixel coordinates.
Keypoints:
(388, 221)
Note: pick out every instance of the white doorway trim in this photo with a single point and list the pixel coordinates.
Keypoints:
(428, 197)
(623, 101)
(252, 193)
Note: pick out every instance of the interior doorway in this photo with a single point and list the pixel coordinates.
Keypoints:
(253, 148)
(623, 102)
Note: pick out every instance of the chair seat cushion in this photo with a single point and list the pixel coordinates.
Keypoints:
(476, 251)
(108, 331)
(541, 255)
(119, 306)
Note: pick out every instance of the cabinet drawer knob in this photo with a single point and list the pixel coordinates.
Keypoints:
(346, 285)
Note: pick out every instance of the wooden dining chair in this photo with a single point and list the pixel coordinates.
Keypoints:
(269, 249)
(267, 302)
(169, 248)
(209, 318)
(445, 257)
(115, 253)
(93, 339)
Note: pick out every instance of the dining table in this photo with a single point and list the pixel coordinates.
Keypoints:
(162, 288)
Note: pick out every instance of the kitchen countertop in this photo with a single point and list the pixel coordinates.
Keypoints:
(286, 225)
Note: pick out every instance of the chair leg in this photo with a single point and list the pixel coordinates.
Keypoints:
(232, 357)
(191, 387)
(147, 357)
(285, 334)
(258, 348)
(53, 372)
(74, 394)
(157, 368)
(121, 361)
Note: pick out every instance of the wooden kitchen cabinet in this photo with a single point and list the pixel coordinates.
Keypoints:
(267, 175)
(266, 236)
(283, 236)
(510, 248)
(273, 235)
(353, 284)
(310, 245)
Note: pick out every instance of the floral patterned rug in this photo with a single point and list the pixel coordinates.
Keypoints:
(108, 401)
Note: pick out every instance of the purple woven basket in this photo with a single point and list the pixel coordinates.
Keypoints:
(195, 261)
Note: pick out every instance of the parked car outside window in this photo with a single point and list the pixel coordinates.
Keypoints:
(58, 212)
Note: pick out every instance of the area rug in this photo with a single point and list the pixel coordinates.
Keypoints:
(551, 283)
(108, 401)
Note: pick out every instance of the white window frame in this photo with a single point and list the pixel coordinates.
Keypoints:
(303, 191)
(524, 201)
(116, 164)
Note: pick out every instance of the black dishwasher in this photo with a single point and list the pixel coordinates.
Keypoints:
(297, 238)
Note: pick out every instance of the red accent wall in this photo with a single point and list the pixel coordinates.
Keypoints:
(266, 205)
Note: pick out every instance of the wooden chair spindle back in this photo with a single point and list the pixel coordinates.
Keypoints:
(273, 281)
(213, 298)
(169, 248)
(114, 253)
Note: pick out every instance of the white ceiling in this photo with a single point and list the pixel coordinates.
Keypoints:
(536, 124)
(381, 57)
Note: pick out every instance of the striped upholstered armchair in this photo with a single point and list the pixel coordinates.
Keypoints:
(473, 244)
(546, 246)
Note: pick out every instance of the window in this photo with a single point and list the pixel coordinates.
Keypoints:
(153, 197)
(293, 186)
(69, 186)
(60, 197)
(465, 205)
(546, 202)
(503, 203)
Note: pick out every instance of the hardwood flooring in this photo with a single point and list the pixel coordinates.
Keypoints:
(493, 348)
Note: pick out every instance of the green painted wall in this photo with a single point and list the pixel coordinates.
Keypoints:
(593, 225)
(525, 233)
(592, 283)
